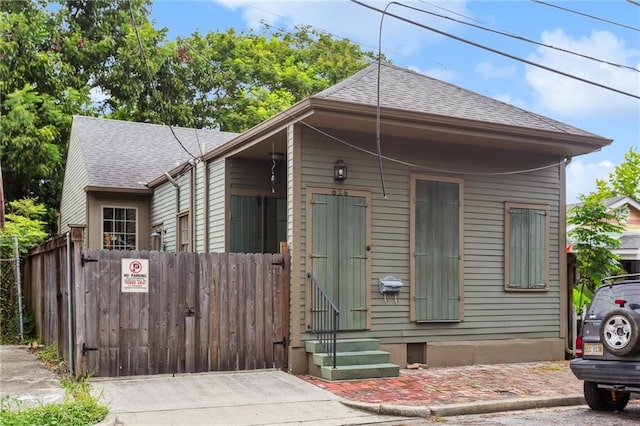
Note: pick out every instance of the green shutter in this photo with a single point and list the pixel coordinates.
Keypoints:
(437, 251)
(246, 224)
(339, 255)
(258, 224)
(527, 248)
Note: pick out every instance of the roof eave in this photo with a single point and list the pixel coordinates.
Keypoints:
(284, 118)
(580, 144)
(118, 189)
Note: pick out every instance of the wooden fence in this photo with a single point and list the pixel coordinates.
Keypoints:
(200, 312)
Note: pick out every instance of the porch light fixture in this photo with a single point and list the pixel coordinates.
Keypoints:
(158, 231)
(340, 170)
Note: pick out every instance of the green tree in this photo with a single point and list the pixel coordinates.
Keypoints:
(51, 55)
(231, 81)
(23, 220)
(594, 237)
(55, 54)
(624, 181)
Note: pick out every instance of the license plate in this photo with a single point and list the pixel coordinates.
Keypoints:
(593, 349)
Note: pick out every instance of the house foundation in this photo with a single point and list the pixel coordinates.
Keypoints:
(451, 354)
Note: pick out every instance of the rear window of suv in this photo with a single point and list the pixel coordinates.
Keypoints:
(606, 297)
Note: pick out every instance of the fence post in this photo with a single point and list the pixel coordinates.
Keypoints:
(77, 237)
(19, 284)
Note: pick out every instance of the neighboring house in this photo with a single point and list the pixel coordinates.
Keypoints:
(467, 210)
(629, 249)
(109, 163)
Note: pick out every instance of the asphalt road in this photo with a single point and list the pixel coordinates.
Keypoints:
(575, 415)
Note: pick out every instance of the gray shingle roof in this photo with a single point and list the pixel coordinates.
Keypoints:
(126, 154)
(630, 241)
(407, 90)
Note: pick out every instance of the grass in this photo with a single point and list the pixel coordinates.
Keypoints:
(79, 408)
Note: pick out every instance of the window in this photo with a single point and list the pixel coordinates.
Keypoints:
(183, 232)
(119, 228)
(436, 232)
(526, 246)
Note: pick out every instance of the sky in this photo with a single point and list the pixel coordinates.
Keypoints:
(610, 35)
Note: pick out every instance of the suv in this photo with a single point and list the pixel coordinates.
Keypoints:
(608, 347)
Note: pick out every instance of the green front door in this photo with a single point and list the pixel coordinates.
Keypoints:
(339, 255)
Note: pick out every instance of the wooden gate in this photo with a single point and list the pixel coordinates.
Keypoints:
(202, 312)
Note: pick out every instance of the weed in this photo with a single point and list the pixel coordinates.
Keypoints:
(79, 408)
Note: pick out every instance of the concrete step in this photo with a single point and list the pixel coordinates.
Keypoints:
(351, 372)
(352, 358)
(344, 345)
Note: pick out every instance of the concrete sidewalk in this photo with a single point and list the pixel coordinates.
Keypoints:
(262, 397)
(25, 379)
(268, 397)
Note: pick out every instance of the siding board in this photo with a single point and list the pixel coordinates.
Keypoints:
(521, 316)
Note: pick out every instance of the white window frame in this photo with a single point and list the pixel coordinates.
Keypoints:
(104, 233)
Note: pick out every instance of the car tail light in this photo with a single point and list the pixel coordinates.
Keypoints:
(577, 351)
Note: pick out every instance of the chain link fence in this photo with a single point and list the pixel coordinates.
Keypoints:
(9, 302)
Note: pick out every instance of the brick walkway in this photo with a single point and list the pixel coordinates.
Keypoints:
(452, 385)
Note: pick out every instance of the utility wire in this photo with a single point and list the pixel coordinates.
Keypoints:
(422, 167)
(633, 2)
(150, 80)
(481, 46)
(378, 143)
(590, 16)
(517, 37)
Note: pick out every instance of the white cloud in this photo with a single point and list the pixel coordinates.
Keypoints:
(581, 177)
(345, 19)
(570, 97)
(487, 69)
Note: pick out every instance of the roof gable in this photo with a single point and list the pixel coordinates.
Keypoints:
(123, 154)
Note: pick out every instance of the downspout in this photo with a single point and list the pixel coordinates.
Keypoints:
(175, 184)
(570, 340)
(206, 207)
(69, 307)
(192, 207)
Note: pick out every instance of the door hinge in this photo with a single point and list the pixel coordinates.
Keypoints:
(86, 349)
(84, 260)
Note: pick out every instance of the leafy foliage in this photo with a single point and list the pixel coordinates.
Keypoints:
(597, 228)
(101, 57)
(24, 220)
(594, 237)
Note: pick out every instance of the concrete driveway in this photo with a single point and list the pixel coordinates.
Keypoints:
(263, 397)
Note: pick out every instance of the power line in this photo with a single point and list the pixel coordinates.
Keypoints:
(589, 16)
(422, 167)
(150, 80)
(481, 46)
(518, 37)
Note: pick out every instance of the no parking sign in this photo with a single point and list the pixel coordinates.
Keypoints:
(135, 275)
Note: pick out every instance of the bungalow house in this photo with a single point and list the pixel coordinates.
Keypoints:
(457, 197)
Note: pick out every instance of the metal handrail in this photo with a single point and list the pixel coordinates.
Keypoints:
(324, 319)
